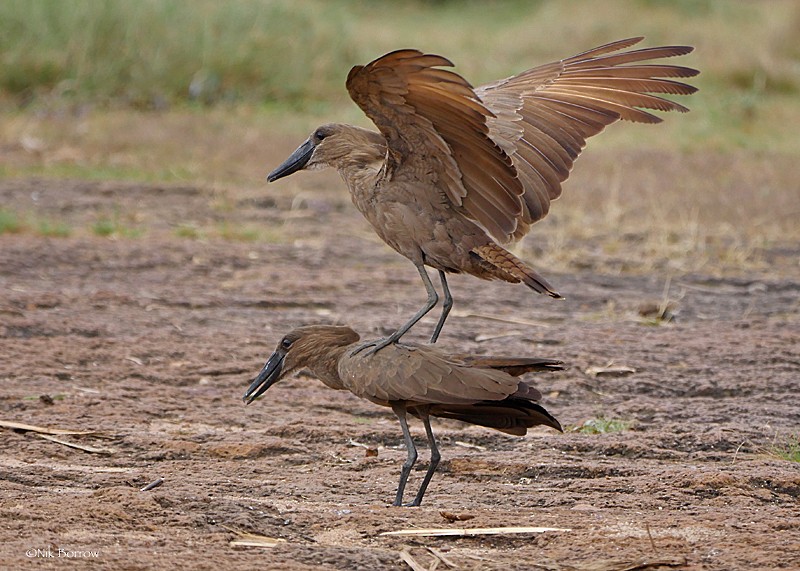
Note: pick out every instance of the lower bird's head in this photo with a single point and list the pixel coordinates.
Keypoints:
(333, 145)
(316, 347)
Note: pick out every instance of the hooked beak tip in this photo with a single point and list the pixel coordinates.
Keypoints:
(269, 375)
(296, 161)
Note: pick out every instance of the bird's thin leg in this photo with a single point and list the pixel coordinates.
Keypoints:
(400, 411)
(435, 457)
(433, 299)
(446, 307)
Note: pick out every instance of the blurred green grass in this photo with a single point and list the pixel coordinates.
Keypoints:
(290, 57)
(788, 450)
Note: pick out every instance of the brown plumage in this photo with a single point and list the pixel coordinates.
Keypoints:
(416, 379)
(456, 171)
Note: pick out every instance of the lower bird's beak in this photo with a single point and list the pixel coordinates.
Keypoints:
(268, 376)
(296, 161)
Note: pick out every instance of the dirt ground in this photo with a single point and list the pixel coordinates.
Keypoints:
(150, 341)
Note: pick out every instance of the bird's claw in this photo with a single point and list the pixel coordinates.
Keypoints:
(361, 347)
(373, 346)
(414, 504)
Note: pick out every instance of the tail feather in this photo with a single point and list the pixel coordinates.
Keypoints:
(514, 366)
(512, 267)
(511, 415)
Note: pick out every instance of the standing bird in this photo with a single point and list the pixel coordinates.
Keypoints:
(416, 379)
(455, 170)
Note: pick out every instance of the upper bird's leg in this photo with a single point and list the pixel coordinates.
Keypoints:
(435, 456)
(446, 307)
(400, 411)
(433, 299)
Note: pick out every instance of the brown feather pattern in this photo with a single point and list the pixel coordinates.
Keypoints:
(512, 269)
(457, 170)
(561, 104)
(502, 150)
(416, 379)
(422, 375)
(439, 106)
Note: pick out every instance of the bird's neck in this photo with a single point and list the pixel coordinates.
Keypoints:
(362, 168)
(326, 367)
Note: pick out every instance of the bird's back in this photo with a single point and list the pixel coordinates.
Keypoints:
(422, 374)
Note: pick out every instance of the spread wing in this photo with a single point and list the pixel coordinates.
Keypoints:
(543, 116)
(437, 134)
(499, 153)
(422, 375)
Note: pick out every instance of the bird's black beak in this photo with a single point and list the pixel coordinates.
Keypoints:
(269, 375)
(296, 161)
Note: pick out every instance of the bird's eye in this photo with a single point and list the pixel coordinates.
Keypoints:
(286, 343)
(319, 135)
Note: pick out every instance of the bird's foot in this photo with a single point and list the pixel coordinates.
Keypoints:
(400, 504)
(373, 347)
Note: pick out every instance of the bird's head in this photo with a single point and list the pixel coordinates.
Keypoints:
(313, 346)
(333, 145)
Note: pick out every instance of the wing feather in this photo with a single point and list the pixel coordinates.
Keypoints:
(422, 375)
(500, 152)
(561, 104)
(436, 127)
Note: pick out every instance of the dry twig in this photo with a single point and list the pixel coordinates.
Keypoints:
(40, 429)
(650, 535)
(440, 556)
(648, 564)
(469, 445)
(611, 370)
(410, 561)
(152, 485)
(252, 539)
(466, 532)
(83, 447)
(501, 319)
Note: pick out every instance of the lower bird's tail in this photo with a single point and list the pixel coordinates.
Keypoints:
(514, 366)
(513, 269)
(512, 415)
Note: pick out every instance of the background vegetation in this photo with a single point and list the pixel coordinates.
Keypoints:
(293, 54)
(216, 93)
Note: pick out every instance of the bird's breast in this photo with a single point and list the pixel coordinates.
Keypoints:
(416, 223)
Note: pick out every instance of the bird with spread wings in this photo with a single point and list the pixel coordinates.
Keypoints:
(455, 171)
